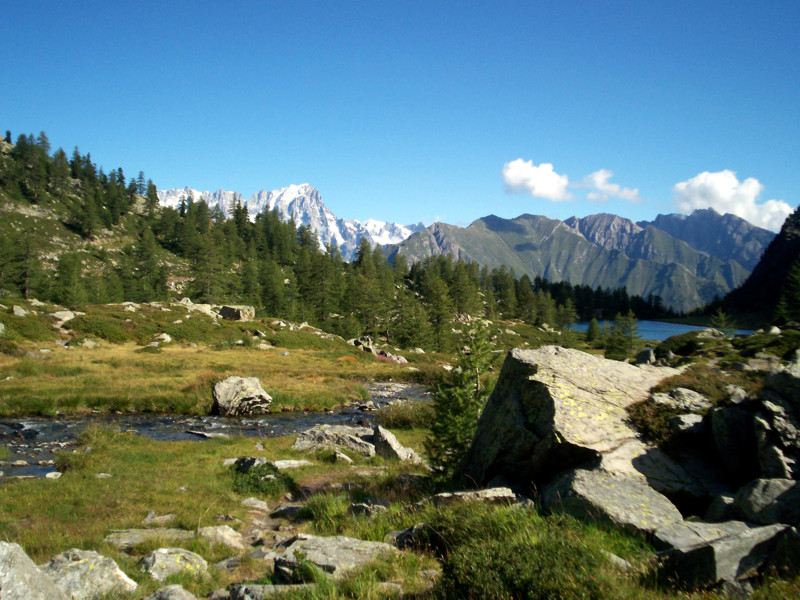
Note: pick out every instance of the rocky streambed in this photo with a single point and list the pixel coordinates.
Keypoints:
(34, 441)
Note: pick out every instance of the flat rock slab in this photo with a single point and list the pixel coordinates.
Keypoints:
(164, 562)
(21, 579)
(502, 495)
(125, 539)
(555, 408)
(357, 440)
(685, 534)
(286, 465)
(85, 575)
(334, 556)
(623, 500)
(222, 534)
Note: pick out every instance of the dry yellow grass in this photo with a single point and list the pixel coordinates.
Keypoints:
(179, 379)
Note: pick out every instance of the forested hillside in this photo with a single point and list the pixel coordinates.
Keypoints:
(73, 233)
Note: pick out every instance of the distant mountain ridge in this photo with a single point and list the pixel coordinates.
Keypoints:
(304, 204)
(727, 236)
(602, 250)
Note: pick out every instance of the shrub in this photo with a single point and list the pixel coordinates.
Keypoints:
(107, 328)
(262, 479)
(9, 348)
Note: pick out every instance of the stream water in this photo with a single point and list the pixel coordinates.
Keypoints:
(36, 440)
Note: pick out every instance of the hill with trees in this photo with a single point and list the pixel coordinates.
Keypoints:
(73, 233)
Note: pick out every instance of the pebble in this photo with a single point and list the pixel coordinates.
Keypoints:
(53, 475)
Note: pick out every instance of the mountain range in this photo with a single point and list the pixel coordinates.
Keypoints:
(687, 260)
(701, 260)
(304, 204)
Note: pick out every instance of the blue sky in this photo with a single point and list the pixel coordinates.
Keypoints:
(415, 111)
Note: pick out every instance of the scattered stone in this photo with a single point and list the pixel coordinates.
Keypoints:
(259, 592)
(53, 475)
(164, 338)
(387, 446)
(19, 311)
(774, 330)
(683, 399)
(240, 396)
(62, 316)
(2, 328)
(237, 313)
(334, 556)
(125, 539)
(153, 519)
(342, 457)
(208, 435)
(286, 465)
(687, 424)
(89, 344)
(171, 592)
(103, 476)
(84, 574)
(363, 509)
(164, 562)
(617, 561)
(223, 534)
(646, 357)
(19, 463)
(256, 504)
(21, 579)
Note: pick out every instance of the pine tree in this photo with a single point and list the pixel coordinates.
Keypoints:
(623, 336)
(593, 333)
(458, 403)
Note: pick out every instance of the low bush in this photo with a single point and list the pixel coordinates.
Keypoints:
(262, 479)
(108, 328)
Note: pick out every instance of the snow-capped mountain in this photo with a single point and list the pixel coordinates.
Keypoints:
(304, 204)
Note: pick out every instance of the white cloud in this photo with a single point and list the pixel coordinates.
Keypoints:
(603, 190)
(724, 193)
(522, 176)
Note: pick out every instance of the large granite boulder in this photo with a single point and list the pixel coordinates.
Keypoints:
(770, 501)
(21, 579)
(85, 575)
(333, 556)
(164, 562)
(554, 409)
(240, 396)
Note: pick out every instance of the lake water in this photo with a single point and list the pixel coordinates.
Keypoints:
(658, 330)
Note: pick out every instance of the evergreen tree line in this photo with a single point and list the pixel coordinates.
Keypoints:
(272, 264)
